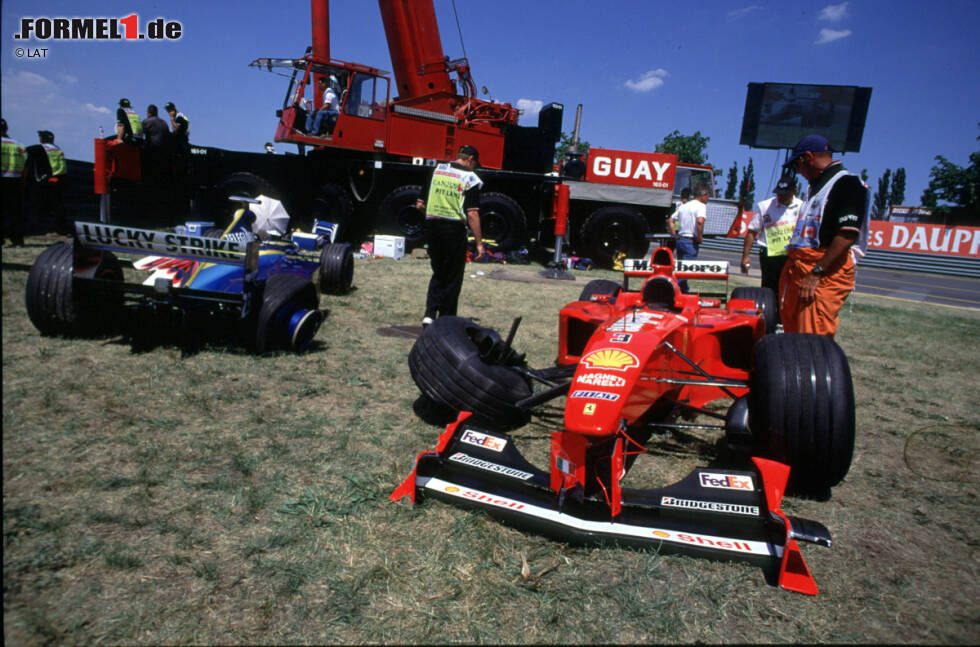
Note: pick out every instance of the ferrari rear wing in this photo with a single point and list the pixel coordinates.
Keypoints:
(692, 270)
(696, 270)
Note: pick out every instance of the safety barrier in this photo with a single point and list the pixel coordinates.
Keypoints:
(906, 261)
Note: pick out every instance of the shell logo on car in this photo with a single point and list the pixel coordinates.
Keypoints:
(611, 358)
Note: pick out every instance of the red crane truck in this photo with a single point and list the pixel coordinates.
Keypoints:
(368, 166)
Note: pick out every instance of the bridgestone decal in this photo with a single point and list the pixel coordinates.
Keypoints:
(466, 459)
(710, 506)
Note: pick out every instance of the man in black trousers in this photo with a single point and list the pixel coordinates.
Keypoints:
(452, 201)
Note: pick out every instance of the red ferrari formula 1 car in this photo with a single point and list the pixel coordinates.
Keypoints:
(634, 364)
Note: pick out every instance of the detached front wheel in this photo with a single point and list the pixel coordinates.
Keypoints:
(449, 363)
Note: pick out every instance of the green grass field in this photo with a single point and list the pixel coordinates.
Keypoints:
(163, 497)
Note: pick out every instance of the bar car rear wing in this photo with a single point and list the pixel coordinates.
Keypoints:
(92, 239)
(162, 243)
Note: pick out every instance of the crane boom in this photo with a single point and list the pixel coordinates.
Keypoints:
(417, 58)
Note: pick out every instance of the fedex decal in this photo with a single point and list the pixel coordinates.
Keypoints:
(486, 441)
(632, 168)
(726, 481)
(929, 239)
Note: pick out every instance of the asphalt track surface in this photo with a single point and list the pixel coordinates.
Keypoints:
(938, 289)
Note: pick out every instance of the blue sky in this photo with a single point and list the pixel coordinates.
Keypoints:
(641, 69)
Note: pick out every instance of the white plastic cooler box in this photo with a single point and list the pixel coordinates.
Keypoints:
(390, 246)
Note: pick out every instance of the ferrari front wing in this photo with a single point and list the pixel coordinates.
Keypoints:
(714, 513)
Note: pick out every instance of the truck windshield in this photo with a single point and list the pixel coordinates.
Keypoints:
(693, 179)
(366, 97)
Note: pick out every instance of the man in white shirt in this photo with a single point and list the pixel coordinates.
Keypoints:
(772, 226)
(328, 109)
(690, 228)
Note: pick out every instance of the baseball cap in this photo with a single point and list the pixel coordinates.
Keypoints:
(466, 149)
(170, 106)
(45, 135)
(785, 185)
(809, 144)
(124, 103)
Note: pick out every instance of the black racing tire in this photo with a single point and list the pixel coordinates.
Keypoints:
(279, 291)
(502, 221)
(801, 408)
(397, 215)
(240, 183)
(600, 287)
(764, 300)
(613, 230)
(446, 366)
(333, 204)
(57, 305)
(336, 268)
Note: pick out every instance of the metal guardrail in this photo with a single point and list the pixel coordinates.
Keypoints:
(905, 261)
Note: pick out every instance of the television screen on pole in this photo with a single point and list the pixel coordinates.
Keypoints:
(777, 115)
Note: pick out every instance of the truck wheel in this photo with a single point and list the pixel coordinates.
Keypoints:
(764, 300)
(446, 364)
(614, 230)
(336, 268)
(240, 183)
(333, 204)
(801, 408)
(600, 286)
(56, 305)
(502, 221)
(289, 317)
(398, 216)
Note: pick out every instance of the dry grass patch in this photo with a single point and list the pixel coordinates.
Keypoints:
(161, 497)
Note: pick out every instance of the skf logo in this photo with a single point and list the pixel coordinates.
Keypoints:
(483, 440)
(726, 481)
(611, 358)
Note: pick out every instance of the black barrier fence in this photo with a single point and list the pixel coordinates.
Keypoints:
(905, 261)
